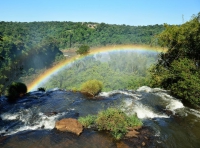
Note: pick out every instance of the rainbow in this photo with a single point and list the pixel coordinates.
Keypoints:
(42, 78)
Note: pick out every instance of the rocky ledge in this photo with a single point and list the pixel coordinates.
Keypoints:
(136, 137)
(69, 125)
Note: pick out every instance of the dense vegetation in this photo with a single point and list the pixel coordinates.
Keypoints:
(26, 48)
(113, 120)
(18, 60)
(116, 70)
(71, 34)
(178, 69)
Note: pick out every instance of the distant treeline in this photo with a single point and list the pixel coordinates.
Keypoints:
(26, 48)
(74, 34)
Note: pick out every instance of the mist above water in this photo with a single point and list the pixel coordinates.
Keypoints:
(116, 70)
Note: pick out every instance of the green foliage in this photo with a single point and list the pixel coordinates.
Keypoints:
(41, 89)
(186, 80)
(116, 121)
(74, 89)
(22, 59)
(35, 45)
(84, 49)
(16, 90)
(113, 120)
(74, 34)
(87, 121)
(133, 121)
(92, 87)
(1, 38)
(178, 69)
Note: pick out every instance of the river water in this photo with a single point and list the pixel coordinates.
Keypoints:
(30, 121)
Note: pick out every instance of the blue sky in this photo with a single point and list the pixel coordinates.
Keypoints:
(129, 12)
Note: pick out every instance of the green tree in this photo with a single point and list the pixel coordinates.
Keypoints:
(178, 69)
(83, 49)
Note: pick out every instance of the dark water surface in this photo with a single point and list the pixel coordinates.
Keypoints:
(29, 123)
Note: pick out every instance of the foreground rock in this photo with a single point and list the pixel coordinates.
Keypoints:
(132, 132)
(69, 125)
(145, 138)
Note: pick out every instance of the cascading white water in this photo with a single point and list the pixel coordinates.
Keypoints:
(144, 111)
(29, 121)
(166, 115)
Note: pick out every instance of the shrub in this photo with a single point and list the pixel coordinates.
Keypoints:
(92, 87)
(116, 121)
(87, 121)
(74, 89)
(41, 89)
(112, 120)
(133, 121)
(83, 49)
(16, 90)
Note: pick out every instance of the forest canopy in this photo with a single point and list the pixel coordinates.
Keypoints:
(74, 34)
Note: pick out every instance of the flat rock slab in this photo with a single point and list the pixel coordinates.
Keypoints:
(132, 133)
(69, 125)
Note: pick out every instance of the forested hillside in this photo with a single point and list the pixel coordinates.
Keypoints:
(26, 48)
(16, 60)
(71, 34)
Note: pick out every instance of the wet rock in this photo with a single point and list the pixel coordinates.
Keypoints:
(91, 96)
(2, 139)
(99, 97)
(121, 144)
(69, 125)
(87, 94)
(143, 144)
(145, 138)
(134, 128)
(51, 113)
(76, 114)
(96, 139)
(132, 133)
(169, 112)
